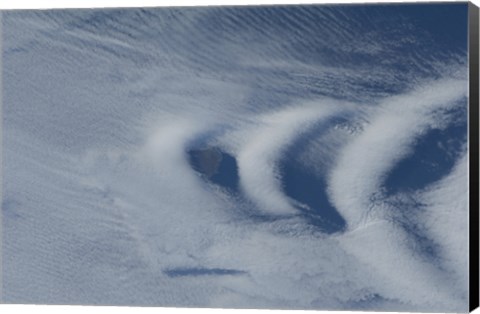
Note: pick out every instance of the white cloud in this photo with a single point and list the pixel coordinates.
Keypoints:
(394, 126)
(357, 180)
(102, 199)
(259, 157)
(446, 219)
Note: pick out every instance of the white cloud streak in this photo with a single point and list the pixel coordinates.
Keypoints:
(259, 158)
(355, 187)
(364, 163)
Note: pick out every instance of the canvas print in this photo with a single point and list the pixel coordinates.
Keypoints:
(282, 157)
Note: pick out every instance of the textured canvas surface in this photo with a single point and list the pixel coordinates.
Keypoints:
(298, 157)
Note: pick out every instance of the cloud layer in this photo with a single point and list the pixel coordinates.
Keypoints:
(103, 205)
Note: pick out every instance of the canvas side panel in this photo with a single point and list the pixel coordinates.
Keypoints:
(474, 160)
(1, 160)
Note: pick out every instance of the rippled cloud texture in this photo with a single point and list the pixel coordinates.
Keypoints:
(300, 157)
